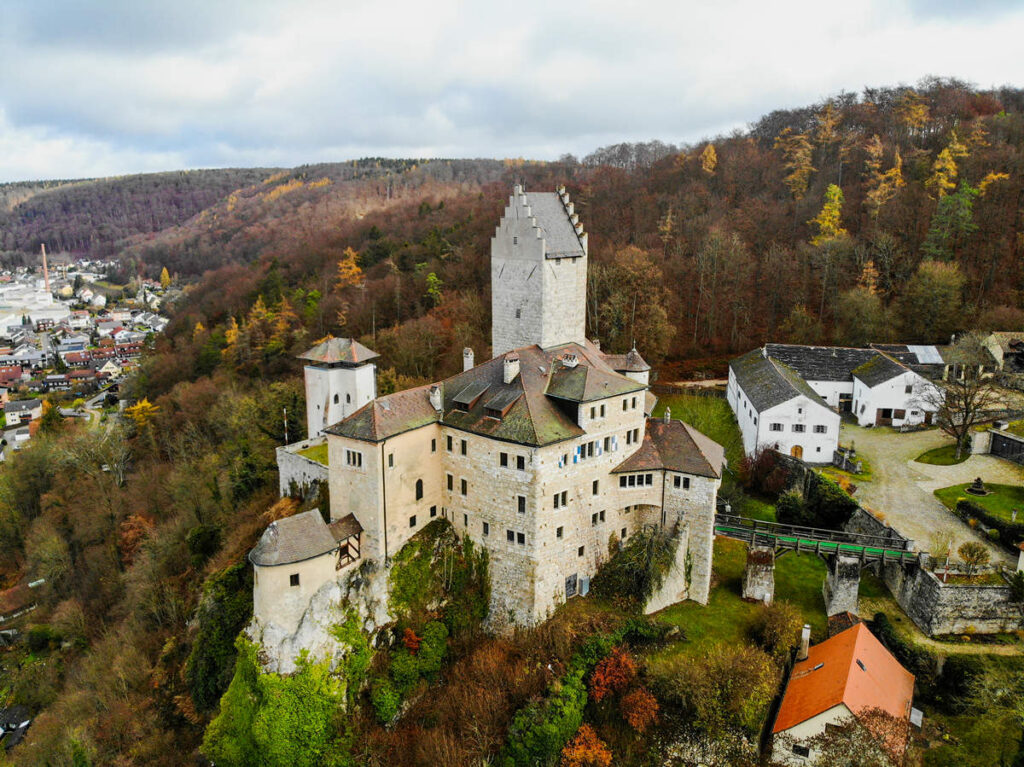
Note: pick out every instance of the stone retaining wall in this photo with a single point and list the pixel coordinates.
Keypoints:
(305, 473)
(862, 522)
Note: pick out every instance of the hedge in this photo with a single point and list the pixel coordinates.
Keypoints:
(1010, 533)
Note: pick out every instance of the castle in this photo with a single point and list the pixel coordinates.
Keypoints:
(541, 455)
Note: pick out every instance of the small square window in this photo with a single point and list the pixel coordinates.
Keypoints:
(602, 411)
(600, 515)
(607, 444)
(622, 480)
(521, 539)
(487, 529)
(686, 483)
(451, 482)
(580, 550)
(293, 579)
(799, 750)
(593, 519)
(677, 481)
(558, 532)
(520, 463)
(565, 498)
(433, 511)
(515, 240)
(412, 521)
(634, 403)
(519, 313)
(593, 413)
(908, 389)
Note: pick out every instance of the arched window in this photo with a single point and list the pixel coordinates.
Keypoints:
(348, 399)
(335, 399)
(419, 489)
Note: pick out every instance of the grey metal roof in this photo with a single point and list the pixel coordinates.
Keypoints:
(560, 238)
(820, 363)
(293, 539)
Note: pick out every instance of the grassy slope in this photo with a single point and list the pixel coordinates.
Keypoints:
(1000, 502)
(316, 453)
(943, 456)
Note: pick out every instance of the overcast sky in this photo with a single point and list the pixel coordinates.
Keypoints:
(104, 87)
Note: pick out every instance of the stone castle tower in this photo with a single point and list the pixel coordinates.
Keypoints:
(340, 379)
(538, 273)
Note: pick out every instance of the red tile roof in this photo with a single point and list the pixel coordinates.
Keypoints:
(856, 670)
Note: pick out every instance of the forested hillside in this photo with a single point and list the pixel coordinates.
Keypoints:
(896, 213)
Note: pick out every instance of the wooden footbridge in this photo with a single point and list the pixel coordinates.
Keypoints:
(782, 537)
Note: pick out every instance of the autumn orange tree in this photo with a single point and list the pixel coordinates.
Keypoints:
(612, 675)
(586, 749)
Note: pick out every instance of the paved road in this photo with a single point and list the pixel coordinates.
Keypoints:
(902, 489)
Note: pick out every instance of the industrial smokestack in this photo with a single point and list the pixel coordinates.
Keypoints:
(46, 272)
(805, 643)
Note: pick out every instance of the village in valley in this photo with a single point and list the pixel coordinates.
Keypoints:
(552, 456)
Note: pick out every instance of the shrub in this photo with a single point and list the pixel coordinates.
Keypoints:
(640, 709)
(540, 730)
(1009, 532)
(586, 750)
(385, 700)
(789, 508)
(637, 570)
(411, 641)
(993, 535)
(777, 628)
(405, 672)
(39, 638)
(974, 555)
(433, 648)
(763, 472)
(203, 542)
(612, 675)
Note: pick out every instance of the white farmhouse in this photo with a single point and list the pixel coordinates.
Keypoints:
(777, 409)
(888, 393)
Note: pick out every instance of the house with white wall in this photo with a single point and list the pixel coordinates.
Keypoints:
(888, 393)
(847, 676)
(778, 409)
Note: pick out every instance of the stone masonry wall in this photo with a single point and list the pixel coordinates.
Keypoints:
(294, 468)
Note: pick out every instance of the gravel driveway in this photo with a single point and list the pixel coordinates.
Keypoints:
(902, 489)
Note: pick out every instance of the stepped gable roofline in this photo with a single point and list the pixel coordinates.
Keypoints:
(852, 668)
(879, 369)
(293, 539)
(820, 363)
(768, 382)
(675, 446)
(552, 219)
(339, 351)
(388, 416)
(630, 362)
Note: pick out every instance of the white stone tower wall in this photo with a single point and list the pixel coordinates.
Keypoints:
(333, 394)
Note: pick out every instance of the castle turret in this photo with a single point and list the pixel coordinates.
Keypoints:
(538, 273)
(340, 379)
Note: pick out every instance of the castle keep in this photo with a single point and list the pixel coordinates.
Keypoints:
(541, 455)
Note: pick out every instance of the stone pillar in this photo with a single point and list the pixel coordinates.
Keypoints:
(841, 585)
(759, 575)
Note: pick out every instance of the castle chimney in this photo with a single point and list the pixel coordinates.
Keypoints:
(435, 397)
(511, 363)
(467, 359)
(570, 360)
(668, 415)
(805, 642)
(597, 343)
(46, 272)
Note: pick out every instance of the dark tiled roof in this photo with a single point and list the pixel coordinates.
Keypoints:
(339, 350)
(879, 369)
(768, 382)
(293, 539)
(345, 527)
(21, 405)
(388, 415)
(630, 362)
(584, 383)
(820, 363)
(560, 238)
(676, 446)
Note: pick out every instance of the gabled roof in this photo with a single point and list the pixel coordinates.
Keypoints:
(585, 383)
(820, 363)
(1008, 341)
(293, 539)
(768, 382)
(879, 369)
(852, 668)
(553, 224)
(630, 362)
(675, 446)
(333, 351)
(387, 416)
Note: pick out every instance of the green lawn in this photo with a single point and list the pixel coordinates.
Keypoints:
(708, 414)
(943, 456)
(316, 453)
(1000, 501)
(1016, 428)
(727, 618)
